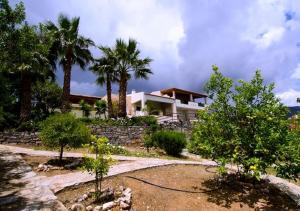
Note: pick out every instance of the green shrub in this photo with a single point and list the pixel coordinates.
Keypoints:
(245, 125)
(172, 142)
(62, 130)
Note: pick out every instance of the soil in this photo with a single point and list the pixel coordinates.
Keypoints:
(34, 161)
(187, 187)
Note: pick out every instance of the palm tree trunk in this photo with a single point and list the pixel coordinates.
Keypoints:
(122, 95)
(66, 88)
(109, 102)
(25, 96)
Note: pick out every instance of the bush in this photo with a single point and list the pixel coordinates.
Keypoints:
(172, 142)
(244, 125)
(62, 130)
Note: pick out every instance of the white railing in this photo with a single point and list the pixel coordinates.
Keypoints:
(189, 105)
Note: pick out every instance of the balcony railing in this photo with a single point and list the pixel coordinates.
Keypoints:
(189, 104)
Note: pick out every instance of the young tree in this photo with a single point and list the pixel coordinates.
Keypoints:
(68, 48)
(128, 63)
(61, 130)
(86, 108)
(101, 107)
(100, 164)
(245, 124)
(105, 68)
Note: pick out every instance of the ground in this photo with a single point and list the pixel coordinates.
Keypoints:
(188, 187)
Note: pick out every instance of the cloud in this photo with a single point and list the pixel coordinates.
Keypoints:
(296, 74)
(184, 38)
(83, 88)
(289, 97)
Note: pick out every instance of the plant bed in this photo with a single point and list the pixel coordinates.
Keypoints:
(187, 187)
(49, 166)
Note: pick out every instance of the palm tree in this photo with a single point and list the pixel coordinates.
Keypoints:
(32, 64)
(128, 63)
(105, 68)
(68, 48)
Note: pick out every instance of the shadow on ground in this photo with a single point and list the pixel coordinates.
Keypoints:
(259, 196)
(11, 169)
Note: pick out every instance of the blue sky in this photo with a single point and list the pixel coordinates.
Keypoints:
(185, 37)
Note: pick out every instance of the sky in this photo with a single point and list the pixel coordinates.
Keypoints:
(186, 37)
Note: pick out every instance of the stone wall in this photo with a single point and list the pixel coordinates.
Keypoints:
(13, 137)
(120, 135)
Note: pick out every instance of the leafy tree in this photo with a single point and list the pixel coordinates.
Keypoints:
(128, 63)
(101, 107)
(68, 48)
(245, 124)
(86, 108)
(61, 130)
(100, 164)
(105, 68)
(46, 97)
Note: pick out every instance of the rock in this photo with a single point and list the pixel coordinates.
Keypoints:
(97, 208)
(89, 208)
(77, 207)
(73, 165)
(108, 205)
(126, 199)
(127, 191)
(84, 196)
(124, 205)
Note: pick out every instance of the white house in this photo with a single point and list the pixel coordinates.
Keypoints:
(168, 104)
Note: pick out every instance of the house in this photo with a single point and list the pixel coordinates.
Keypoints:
(75, 99)
(171, 104)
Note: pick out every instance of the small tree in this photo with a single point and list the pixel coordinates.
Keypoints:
(100, 164)
(62, 130)
(245, 125)
(101, 107)
(86, 108)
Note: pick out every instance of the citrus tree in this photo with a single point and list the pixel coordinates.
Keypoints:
(244, 125)
(61, 130)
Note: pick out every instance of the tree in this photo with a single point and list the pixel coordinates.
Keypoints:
(245, 125)
(128, 63)
(100, 164)
(33, 61)
(61, 130)
(68, 48)
(46, 97)
(105, 68)
(86, 108)
(101, 107)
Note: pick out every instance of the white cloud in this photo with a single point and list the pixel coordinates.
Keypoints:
(83, 88)
(296, 73)
(267, 39)
(289, 97)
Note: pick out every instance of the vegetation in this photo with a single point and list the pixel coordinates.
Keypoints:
(127, 61)
(99, 165)
(244, 125)
(101, 107)
(46, 97)
(68, 48)
(105, 68)
(86, 108)
(172, 142)
(61, 130)
(148, 121)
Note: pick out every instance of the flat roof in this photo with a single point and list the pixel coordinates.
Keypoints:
(182, 91)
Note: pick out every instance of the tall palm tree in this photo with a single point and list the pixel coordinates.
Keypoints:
(68, 48)
(128, 63)
(105, 68)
